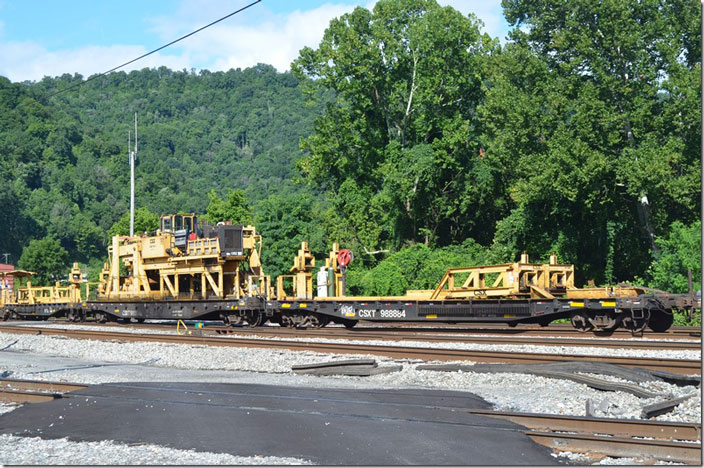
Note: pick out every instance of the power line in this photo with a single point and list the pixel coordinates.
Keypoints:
(155, 50)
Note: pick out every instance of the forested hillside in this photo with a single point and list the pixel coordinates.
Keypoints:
(65, 167)
(408, 135)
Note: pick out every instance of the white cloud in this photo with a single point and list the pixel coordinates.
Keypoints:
(256, 35)
(241, 41)
(237, 42)
(20, 61)
(277, 39)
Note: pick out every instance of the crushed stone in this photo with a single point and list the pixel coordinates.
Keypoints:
(36, 451)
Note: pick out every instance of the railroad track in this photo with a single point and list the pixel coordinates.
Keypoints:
(370, 334)
(683, 342)
(656, 440)
(680, 366)
(34, 391)
(553, 330)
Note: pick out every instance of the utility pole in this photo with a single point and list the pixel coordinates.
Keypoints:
(6, 256)
(701, 135)
(133, 156)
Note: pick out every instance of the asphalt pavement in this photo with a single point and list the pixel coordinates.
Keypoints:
(325, 426)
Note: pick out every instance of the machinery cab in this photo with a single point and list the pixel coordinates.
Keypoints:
(177, 222)
(183, 227)
(186, 228)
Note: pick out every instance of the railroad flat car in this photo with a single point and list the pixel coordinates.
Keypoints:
(192, 270)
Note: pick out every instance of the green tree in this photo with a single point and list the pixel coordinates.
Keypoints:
(590, 119)
(679, 251)
(17, 225)
(144, 221)
(285, 219)
(400, 135)
(47, 259)
(234, 208)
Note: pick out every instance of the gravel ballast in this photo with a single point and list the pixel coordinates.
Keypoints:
(36, 451)
(585, 350)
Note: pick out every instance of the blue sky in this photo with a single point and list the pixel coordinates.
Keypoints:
(50, 37)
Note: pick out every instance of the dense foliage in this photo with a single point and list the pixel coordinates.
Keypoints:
(416, 267)
(677, 253)
(64, 169)
(398, 148)
(579, 136)
(233, 208)
(592, 121)
(144, 221)
(422, 144)
(47, 259)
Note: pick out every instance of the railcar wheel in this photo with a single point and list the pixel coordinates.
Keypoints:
(660, 321)
(349, 323)
(315, 321)
(233, 320)
(605, 331)
(324, 320)
(287, 321)
(581, 322)
(636, 325)
(75, 315)
(255, 319)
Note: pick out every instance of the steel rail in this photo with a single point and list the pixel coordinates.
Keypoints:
(680, 342)
(40, 385)
(512, 340)
(681, 366)
(684, 452)
(553, 330)
(661, 430)
(663, 440)
(26, 396)
(34, 391)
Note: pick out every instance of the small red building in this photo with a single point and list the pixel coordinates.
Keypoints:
(10, 279)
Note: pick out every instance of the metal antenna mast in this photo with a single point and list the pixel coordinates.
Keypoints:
(133, 156)
(6, 255)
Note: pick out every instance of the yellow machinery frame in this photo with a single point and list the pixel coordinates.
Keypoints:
(56, 294)
(507, 280)
(156, 274)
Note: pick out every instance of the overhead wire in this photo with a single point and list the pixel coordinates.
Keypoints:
(76, 85)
